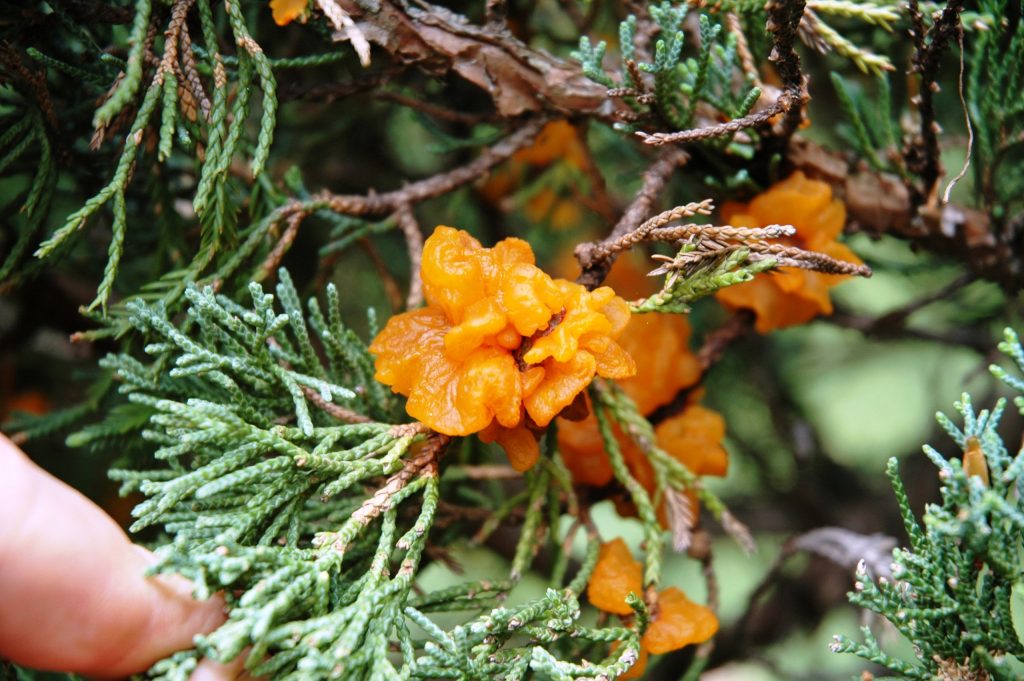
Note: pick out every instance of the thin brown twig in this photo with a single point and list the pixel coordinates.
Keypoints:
(273, 259)
(192, 82)
(793, 256)
(172, 37)
(486, 472)
(595, 269)
(423, 463)
(783, 23)
(923, 155)
(753, 120)
(435, 111)
(391, 288)
(607, 248)
(733, 25)
(727, 232)
(380, 205)
(336, 410)
(601, 201)
(414, 245)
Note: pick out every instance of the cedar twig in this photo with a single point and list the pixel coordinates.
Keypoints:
(595, 268)
(753, 120)
(783, 23)
(391, 288)
(434, 110)
(733, 25)
(273, 259)
(336, 410)
(380, 205)
(423, 463)
(681, 519)
(923, 155)
(792, 256)
(190, 84)
(414, 244)
(607, 249)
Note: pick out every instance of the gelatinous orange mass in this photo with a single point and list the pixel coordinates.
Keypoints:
(519, 444)
(499, 339)
(694, 438)
(790, 296)
(287, 11)
(676, 622)
(616, 575)
(557, 141)
(659, 343)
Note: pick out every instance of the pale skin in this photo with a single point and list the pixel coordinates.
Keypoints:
(73, 588)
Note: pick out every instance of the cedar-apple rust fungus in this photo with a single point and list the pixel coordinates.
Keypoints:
(676, 621)
(791, 295)
(501, 348)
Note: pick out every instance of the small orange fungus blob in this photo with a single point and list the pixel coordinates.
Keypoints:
(665, 365)
(287, 11)
(616, 575)
(676, 621)
(501, 345)
(790, 296)
(974, 461)
(558, 142)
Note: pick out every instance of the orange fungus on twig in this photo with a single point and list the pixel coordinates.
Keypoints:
(790, 295)
(676, 621)
(501, 346)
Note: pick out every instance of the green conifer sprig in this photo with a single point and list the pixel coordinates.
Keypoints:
(679, 291)
(315, 528)
(682, 78)
(671, 476)
(184, 118)
(950, 591)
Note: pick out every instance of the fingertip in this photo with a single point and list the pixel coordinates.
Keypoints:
(210, 670)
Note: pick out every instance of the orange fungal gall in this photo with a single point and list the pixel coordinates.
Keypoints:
(501, 346)
(616, 575)
(791, 296)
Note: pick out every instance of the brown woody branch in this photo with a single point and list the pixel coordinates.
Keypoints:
(399, 203)
(595, 259)
(784, 23)
(879, 203)
(922, 154)
(518, 78)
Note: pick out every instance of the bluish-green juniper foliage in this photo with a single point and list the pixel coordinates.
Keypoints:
(957, 590)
